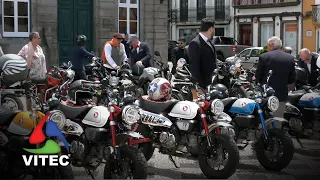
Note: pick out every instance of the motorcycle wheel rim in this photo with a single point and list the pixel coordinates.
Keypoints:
(273, 149)
(217, 159)
(122, 170)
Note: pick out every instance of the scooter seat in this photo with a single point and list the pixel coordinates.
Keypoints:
(294, 96)
(157, 107)
(228, 102)
(40, 81)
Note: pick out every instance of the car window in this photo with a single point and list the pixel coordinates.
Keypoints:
(244, 53)
(255, 53)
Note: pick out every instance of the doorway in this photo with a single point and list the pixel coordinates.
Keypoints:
(75, 17)
(245, 34)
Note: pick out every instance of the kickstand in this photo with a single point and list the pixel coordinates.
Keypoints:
(176, 164)
(89, 172)
(299, 142)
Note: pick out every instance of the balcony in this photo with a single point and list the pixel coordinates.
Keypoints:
(316, 14)
(250, 4)
(192, 15)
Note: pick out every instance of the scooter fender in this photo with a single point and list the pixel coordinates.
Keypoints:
(130, 138)
(213, 126)
(291, 109)
(279, 121)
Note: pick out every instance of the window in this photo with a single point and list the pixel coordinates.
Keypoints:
(219, 31)
(244, 53)
(201, 9)
(15, 18)
(255, 53)
(189, 33)
(128, 16)
(266, 33)
(184, 10)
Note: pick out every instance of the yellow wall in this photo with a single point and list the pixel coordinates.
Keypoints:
(308, 42)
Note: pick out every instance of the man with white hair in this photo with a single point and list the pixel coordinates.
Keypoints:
(308, 61)
(283, 71)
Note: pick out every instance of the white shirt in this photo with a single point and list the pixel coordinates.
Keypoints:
(309, 67)
(205, 39)
(138, 47)
(107, 51)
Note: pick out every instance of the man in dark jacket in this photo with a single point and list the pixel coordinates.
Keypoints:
(308, 61)
(283, 71)
(79, 56)
(177, 53)
(126, 45)
(202, 54)
(140, 55)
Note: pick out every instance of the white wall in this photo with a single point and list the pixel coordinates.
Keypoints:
(269, 10)
(317, 2)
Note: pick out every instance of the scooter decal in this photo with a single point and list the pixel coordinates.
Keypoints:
(243, 106)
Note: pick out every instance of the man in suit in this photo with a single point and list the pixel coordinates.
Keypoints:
(202, 54)
(140, 55)
(308, 61)
(283, 71)
(126, 45)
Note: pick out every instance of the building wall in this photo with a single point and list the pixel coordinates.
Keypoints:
(309, 42)
(44, 18)
(275, 16)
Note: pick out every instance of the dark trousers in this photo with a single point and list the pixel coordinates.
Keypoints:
(80, 74)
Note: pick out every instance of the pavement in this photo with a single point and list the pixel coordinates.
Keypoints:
(305, 165)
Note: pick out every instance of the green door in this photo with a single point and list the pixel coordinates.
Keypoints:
(75, 17)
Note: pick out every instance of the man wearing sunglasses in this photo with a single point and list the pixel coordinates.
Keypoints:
(308, 61)
(114, 53)
(177, 53)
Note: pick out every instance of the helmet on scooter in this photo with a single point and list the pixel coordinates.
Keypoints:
(159, 90)
(222, 88)
(215, 94)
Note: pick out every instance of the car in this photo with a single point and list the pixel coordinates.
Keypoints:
(248, 56)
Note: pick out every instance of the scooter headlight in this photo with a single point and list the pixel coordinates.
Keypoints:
(217, 107)
(233, 70)
(59, 118)
(130, 115)
(273, 103)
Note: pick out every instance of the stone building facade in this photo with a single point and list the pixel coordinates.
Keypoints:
(60, 21)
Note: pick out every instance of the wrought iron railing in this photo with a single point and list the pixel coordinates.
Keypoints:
(195, 15)
(262, 2)
(316, 13)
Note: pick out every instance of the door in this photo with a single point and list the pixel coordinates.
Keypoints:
(245, 34)
(290, 37)
(75, 17)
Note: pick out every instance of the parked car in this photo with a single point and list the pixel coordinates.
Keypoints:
(227, 46)
(248, 56)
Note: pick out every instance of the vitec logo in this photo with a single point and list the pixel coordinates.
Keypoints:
(50, 150)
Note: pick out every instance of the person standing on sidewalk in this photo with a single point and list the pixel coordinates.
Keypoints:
(202, 55)
(283, 71)
(126, 45)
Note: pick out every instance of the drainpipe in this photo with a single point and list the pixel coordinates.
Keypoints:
(234, 23)
(154, 26)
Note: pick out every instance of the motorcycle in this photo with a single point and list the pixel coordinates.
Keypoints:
(15, 131)
(95, 136)
(245, 114)
(174, 124)
(302, 111)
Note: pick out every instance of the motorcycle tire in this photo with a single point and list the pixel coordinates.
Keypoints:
(14, 99)
(233, 158)
(288, 150)
(65, 172)
(147, 149)
(138, 164)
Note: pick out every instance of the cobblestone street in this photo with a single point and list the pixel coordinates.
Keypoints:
(305, 165)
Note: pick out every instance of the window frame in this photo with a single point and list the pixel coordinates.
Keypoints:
(242, 52)
(255, 50)
(128, 5)
(16, 32)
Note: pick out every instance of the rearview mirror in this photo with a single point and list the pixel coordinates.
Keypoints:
(247, 56)
(318, 62)
(157, 53)
(69, 64)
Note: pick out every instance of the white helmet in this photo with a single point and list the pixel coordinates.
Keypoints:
(159, 90)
